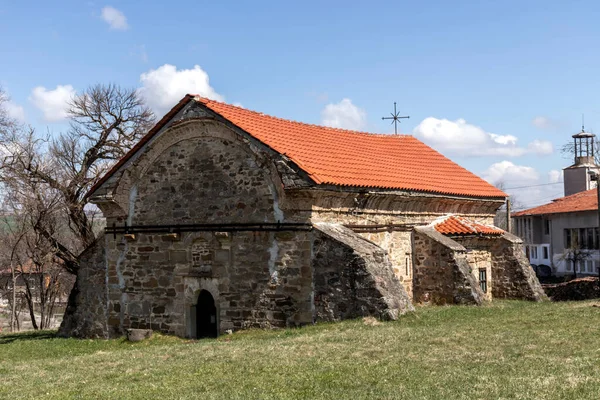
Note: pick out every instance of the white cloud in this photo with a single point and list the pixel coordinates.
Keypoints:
(15, 111)
(464, 139)
(114, 18)
(344, 115)
(545, 123)
(163, 87)
(540, 147)
(525, 185)
(53, 103)
(506, 172)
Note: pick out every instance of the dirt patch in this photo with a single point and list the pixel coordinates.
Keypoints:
(371, 321)
(577, 289)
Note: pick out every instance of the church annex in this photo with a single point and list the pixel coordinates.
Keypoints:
(222, 218)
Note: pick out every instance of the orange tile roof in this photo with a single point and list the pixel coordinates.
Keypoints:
(349, 158)
(455, 225)
(346, 158)
(582, 201)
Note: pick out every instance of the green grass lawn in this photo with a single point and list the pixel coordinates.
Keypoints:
(508, 350)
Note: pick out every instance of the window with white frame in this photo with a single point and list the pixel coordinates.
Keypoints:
(534, 252)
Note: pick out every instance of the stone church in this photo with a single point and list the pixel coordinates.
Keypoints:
(222, 218)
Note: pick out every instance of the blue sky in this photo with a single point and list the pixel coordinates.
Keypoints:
(496, 86)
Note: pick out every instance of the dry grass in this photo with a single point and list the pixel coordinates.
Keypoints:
(508, 350)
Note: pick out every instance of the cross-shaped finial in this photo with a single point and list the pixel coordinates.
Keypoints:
(395, 117)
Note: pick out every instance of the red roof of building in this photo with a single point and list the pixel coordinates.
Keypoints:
(582, 201)
(347, 158)
(455, 225)
(28, 268)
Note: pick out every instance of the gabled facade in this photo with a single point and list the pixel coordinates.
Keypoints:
(222, 218)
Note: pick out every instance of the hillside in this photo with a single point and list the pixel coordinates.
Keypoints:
(509, 350)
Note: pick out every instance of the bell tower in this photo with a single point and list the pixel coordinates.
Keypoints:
(577, 177)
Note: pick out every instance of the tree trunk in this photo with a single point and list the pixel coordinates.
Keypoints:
(42, 302)
(69, 319)
(30, 303)
(13, 306)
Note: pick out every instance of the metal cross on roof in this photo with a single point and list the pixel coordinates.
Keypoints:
(395, 117)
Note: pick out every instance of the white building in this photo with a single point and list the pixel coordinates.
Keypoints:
(562, 237)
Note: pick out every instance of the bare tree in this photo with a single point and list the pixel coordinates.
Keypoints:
(568, 151)
(11, 252)
(47, 177)
(576, 256)
(501, 217)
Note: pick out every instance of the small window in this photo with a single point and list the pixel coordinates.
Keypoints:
(483, 280)
(545, 250)
(546, 226)
(567, 238)
(569, 265)
(406, 264)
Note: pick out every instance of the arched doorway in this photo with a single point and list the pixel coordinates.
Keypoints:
(206, 316)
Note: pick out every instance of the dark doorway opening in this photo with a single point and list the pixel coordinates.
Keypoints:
(206, 316)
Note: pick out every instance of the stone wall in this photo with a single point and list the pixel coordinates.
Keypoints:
(479, 256)
(204, 180)
(388, 219)
(509, 274)
(513, 277)
(442, 274)
(86, 316)
(257, 279)
(353, 277)
(398, 245)
(204, 173)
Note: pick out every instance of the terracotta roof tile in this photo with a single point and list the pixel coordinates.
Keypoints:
(582, 201)
(350, 158)
(455, 225)
(343, 157)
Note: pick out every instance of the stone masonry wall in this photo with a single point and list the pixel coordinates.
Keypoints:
(88, 318)
(206, 174)
(353, 277)
(399, 248)
(388, 220)
(513, 277)
(479, 256)
(442, 274)
(258, 279)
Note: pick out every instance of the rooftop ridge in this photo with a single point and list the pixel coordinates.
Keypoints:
(205, 100)
(580, 201)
